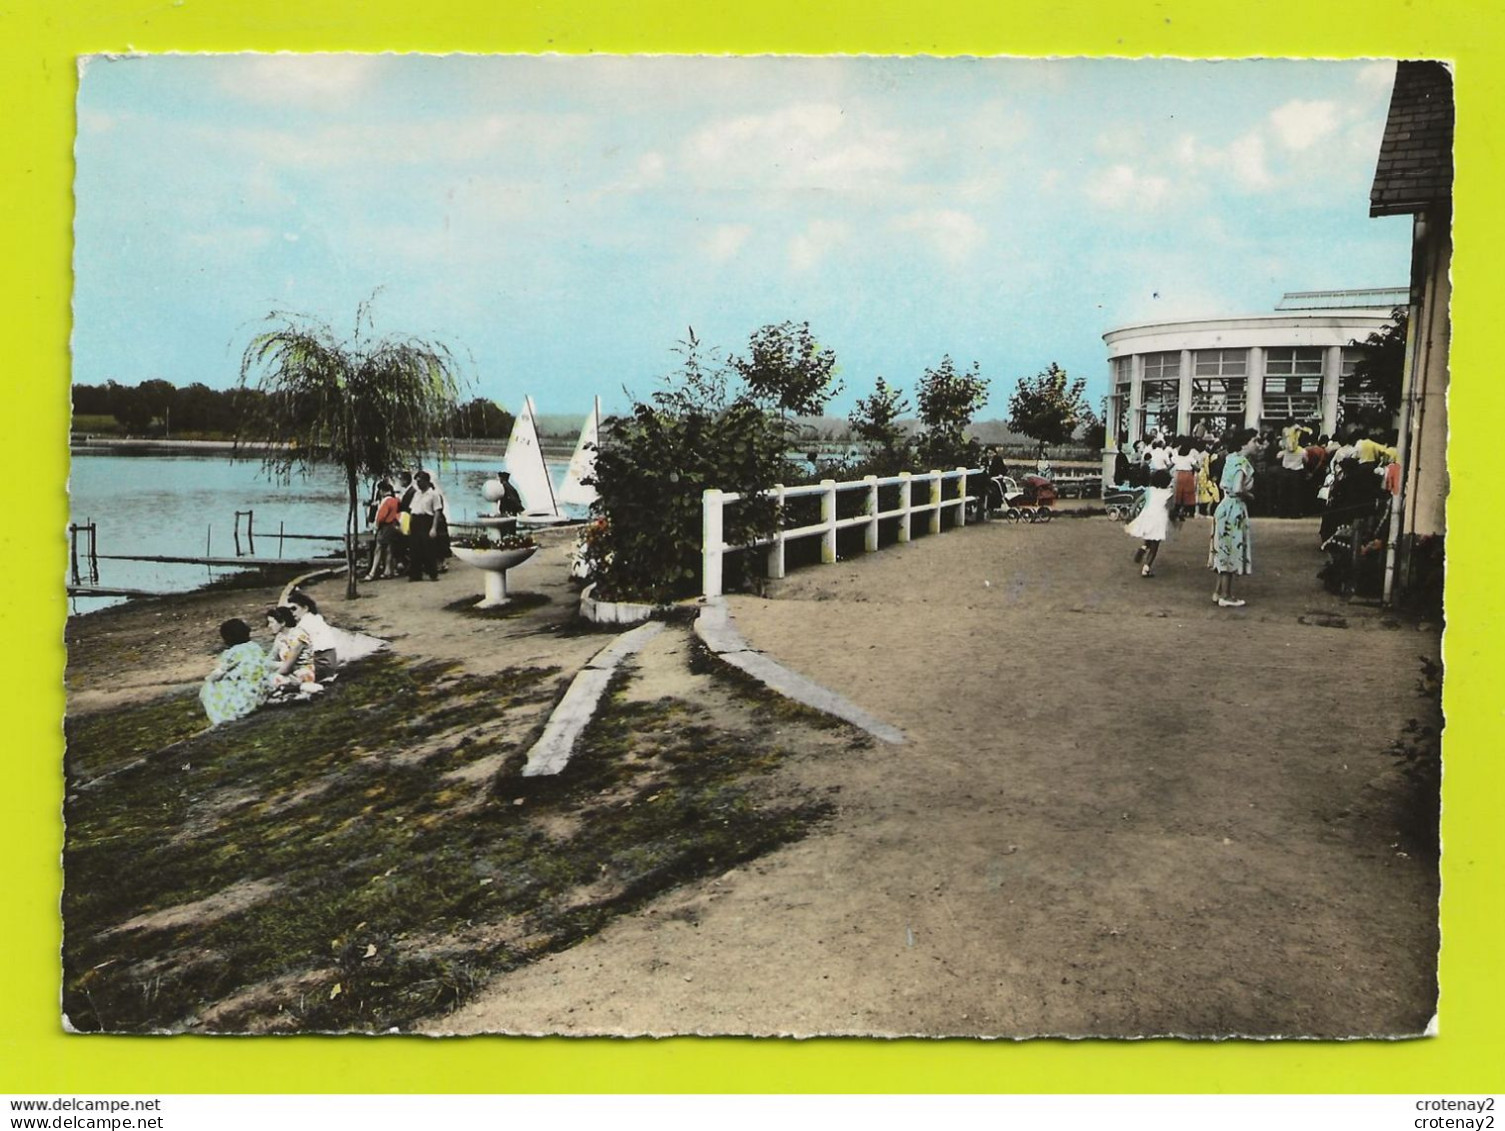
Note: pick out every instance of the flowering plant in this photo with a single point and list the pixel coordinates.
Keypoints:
(482, 540)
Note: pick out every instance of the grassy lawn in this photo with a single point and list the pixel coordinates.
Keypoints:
(366, 860)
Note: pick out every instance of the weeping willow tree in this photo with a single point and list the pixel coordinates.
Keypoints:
(367, 406)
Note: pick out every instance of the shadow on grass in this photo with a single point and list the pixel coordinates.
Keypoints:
(366, 860)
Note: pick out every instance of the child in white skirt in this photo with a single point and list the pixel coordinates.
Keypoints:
(1152, 524)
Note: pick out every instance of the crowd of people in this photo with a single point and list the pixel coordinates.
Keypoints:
(411, 524)
(1290, 472)
(306, 652)
(411, 527)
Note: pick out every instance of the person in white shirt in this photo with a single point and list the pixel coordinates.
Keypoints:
(423, 558)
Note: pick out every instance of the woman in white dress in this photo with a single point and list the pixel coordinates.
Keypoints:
(1152, 524)
(332, 647)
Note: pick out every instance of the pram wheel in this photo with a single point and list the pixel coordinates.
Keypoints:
(1013, 514)
(1042, 514)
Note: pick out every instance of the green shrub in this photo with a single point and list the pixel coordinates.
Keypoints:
(654, 465)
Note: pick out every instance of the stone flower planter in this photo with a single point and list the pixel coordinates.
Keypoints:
(494, 565)
(612, 612)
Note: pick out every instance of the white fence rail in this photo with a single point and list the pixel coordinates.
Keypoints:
(932, 484)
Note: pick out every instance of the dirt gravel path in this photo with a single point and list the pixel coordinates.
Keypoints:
(1120, 811)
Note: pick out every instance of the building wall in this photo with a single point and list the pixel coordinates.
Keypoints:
(1426, 455)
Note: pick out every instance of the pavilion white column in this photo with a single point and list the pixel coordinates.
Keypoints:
(1254, 402)
(1332, 378)
(1183, 396)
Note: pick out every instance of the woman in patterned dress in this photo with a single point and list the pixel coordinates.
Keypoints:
(292, 655)
(238, 683)
(1231, 552)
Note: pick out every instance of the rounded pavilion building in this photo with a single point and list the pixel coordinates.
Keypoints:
(1203, 376)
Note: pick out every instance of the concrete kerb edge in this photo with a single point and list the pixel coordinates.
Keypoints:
(551, 753)
(717, 631)
(305, 578)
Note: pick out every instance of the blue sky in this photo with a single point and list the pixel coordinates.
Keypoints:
(560, 222)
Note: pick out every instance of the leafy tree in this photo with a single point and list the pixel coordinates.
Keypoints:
(653, 466)
(876, 420)
(1382, 363)
(1094, 430)
(480, 419)
(1050, 406)
(948, 400)
(365, 405)
(146, 408)
(787, 368)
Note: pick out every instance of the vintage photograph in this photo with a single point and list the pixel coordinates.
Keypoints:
(778, 546)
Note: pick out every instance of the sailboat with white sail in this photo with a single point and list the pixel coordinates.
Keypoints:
(529, 472)
(574, 491)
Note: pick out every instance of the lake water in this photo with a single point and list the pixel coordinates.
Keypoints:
(185, 505)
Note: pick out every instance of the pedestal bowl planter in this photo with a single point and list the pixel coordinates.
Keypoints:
(494, 564)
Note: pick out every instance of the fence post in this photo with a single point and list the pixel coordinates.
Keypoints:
(935, 501)
(710, 542)
(870, 539)
(906, 496)
(961, 506)
(775, 568)
(828, 520)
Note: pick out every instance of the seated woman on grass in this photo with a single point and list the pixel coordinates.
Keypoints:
(238, 683)
(292, 656)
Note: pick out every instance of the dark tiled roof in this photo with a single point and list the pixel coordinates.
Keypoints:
(1416, 158)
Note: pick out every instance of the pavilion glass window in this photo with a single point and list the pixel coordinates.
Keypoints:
(1160, 392)
(1293, 382)
(1220, 383)
(1118, 411)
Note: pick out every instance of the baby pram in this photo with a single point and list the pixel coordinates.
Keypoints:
(1029, 500)
(1120, 500)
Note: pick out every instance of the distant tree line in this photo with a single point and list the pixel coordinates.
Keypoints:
(158, 408)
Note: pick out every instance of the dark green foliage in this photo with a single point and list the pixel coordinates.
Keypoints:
(367, 406)
(876, 420)
(786, 368)
(1380, 367)
(948, 400)
(655, 463)
(1050, 406)
(479, 419)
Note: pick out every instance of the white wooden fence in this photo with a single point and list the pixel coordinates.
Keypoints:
(713, 502)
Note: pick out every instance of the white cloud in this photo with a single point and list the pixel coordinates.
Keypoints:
(1246, 157)
(1376, 78)
(1123, 187)
(728, 239)
(803, 146)
(820, 237)
(788, 130)
(953, 234)
(317, 81)
(1300, 125)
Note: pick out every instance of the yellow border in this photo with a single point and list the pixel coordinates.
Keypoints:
(38, 48)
